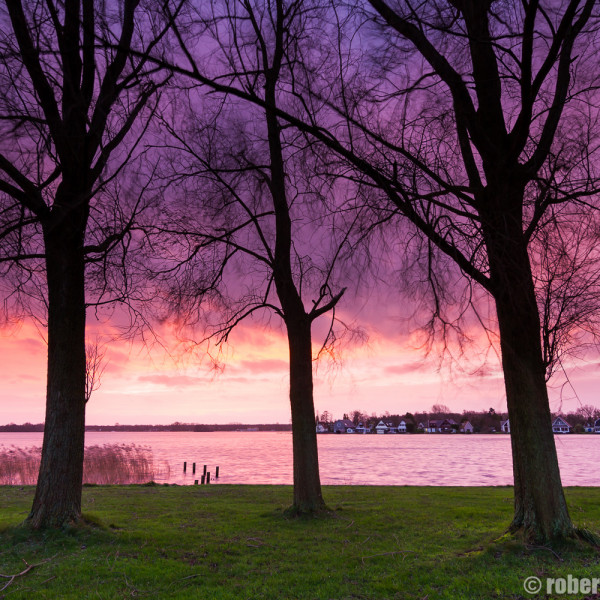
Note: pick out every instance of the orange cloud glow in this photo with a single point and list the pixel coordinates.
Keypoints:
(150, 385)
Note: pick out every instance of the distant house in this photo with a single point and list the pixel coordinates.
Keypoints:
(597, 426)
(432, 426)
(440, 426)
(505, 426)
(588, 428)
(361, 428)
(560, 426)
(322, 428)
(465, 427)
(402, 427)
(381, 427)
(343, 425)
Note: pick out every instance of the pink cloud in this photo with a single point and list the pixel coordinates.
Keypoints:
(31, 344)
(172, 380)
(411, 367)
(266, 365)
(25, 377)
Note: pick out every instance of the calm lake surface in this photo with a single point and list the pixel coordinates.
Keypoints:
(266, 457)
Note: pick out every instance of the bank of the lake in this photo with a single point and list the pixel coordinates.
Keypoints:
(235, 542)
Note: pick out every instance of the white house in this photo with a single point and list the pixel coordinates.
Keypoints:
(560, 426)
(402, 427)
(505, 426)
(381, 427)
(597, 426)
(466, 427)
(322, 428)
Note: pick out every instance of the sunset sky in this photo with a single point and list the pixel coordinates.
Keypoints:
(386, 372)
(386, 369)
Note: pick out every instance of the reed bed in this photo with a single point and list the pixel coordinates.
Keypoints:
(106, 464)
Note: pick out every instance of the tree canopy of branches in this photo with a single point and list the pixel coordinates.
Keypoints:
(68, 104)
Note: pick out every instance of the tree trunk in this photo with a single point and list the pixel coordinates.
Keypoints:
(57, 499)
(307, 483)
(540, 508)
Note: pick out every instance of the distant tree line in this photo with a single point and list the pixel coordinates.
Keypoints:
(485, 421)
(199, 427)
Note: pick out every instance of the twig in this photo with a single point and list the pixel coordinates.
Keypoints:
(546, 548)
(190, 577)
(259, 545)
(403, 552)
(11, 578)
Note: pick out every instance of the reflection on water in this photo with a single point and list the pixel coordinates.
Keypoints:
(265, 457)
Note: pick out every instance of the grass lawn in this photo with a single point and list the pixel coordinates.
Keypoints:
(235, 542)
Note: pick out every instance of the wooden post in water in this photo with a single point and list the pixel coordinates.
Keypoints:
(203, 478)
(194, 468)
(195, 482)
(217, 473)
(184, 466)
(208, 478)
(205, 469)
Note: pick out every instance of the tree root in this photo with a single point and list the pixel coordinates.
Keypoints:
(588, 536)
(574, 534)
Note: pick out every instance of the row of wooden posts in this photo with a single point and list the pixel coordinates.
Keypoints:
(205, 479)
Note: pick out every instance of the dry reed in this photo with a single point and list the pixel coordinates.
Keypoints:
(107, 464)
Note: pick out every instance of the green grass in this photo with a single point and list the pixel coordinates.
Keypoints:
(235, 542)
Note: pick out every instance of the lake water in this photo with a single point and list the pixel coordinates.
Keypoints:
(266, 457)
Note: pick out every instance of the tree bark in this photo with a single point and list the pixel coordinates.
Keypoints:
(57, 499)
(540, 508)
(307, 484)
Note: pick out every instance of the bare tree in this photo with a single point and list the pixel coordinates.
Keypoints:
(589, 413)
(502, 76)
(94, 367)
(67, 104)
(273, 219)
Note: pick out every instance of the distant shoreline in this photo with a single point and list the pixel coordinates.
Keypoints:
(199, 427)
